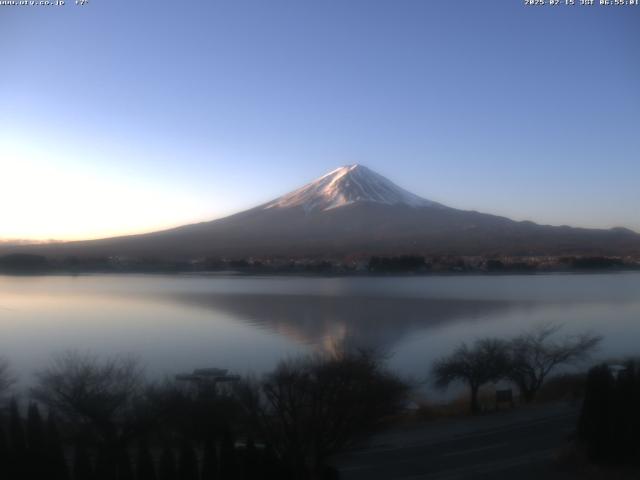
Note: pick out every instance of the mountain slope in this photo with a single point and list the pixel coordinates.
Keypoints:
(353, 210)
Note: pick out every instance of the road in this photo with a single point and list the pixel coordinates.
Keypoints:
(517, 444)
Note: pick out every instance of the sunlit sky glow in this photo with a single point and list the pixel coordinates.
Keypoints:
(123, 117)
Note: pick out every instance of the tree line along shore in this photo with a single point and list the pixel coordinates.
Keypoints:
(22, 263)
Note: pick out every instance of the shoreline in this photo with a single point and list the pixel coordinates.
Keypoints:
(311, 274)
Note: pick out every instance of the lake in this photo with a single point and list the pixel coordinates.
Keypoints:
(175, 323)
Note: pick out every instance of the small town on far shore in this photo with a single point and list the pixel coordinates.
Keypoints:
(347, 265)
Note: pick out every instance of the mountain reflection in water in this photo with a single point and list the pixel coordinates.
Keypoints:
(325, 321)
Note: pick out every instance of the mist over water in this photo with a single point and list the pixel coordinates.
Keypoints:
(247, 324)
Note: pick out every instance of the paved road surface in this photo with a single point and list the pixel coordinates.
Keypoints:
(515, 445)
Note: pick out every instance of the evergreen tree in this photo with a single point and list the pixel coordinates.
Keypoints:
(36, 444)
(35, 430)
(125, 470)
(209, 461)
(251, 461)
(330, 473)
(145, 467)
(228, 464)
(609, 423)
(621, 428)
(82, 466)
(16, 430)
(19, 465)
(269, 463)
(58, 469)
(4, 453)
(272, 466)
(595, 418)
(107, 464)
(635, 417)
(188, 462)
(167, 465)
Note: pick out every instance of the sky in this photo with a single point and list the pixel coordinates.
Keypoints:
(119, 117)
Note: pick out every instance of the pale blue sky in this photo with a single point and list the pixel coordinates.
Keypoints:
(124, 116)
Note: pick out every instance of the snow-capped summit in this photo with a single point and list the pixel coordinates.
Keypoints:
(347, 185)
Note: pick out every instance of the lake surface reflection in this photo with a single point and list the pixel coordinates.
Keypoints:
(247, 324)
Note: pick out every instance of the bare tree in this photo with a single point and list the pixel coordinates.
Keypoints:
(313, 407)
(535, 354)
(487, 360)
(200, 412)
(6, 379)
(91, 393)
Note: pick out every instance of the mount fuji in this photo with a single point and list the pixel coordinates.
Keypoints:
(355, 211)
